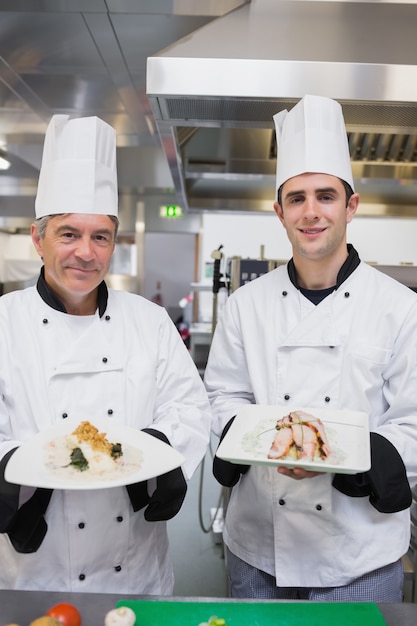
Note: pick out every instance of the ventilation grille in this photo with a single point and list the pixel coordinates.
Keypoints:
(376, 116)
(383, 148)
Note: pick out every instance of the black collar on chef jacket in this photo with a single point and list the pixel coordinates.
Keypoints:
(317, 295)
(49, 297)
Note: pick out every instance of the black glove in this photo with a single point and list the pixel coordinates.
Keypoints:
(167, 499)
(225, 472)
(9, 495)
(385, 483)
(26, 526)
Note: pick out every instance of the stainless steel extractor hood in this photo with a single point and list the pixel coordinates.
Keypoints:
(213, 95)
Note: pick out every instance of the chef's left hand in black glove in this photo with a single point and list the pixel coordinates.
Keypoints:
(225, 472)
(167, 499)
(385, 483)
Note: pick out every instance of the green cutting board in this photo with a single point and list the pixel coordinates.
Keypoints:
(170, 613)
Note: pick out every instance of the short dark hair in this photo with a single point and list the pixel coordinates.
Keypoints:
(348, 191)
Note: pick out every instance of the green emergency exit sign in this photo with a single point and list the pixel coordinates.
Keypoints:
(171, 211)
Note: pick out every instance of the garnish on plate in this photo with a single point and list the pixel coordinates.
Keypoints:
(88, 445)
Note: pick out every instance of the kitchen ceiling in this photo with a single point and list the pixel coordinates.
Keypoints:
(81, 58)
(216, 148)
(213, 95)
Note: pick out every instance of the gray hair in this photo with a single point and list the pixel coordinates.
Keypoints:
(42, 222)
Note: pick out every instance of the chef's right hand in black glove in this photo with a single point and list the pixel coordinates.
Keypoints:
(167, 499)
(25, 526)
(225, 472)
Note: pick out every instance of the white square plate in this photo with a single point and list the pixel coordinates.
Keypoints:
(29, 464)
(250, 437)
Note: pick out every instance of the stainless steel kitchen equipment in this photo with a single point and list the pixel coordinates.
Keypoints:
(213, 95)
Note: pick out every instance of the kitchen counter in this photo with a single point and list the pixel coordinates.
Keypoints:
(21, 607)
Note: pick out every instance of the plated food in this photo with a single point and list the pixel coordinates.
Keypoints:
(86, 452)
(99, 453)
(300, 435)
(316, 439)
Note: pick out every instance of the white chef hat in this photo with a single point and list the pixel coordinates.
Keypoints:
(78, 172)
(312, 137)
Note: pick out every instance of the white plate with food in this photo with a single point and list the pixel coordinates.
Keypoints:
(320, 440)
(90, 454)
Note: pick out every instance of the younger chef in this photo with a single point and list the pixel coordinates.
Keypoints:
(324, 331)
(72, 347)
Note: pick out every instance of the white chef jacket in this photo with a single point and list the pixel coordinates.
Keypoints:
(130, 366)
(356, 350)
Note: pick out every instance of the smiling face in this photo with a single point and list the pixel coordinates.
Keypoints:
(76, 250)
(315, 216)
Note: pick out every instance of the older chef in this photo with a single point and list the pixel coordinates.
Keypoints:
(325, 330)
(70, 346)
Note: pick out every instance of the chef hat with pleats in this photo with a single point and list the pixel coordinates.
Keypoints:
(78, 171)
(312, 137)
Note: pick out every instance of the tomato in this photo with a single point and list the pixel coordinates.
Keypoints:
(65, 613)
